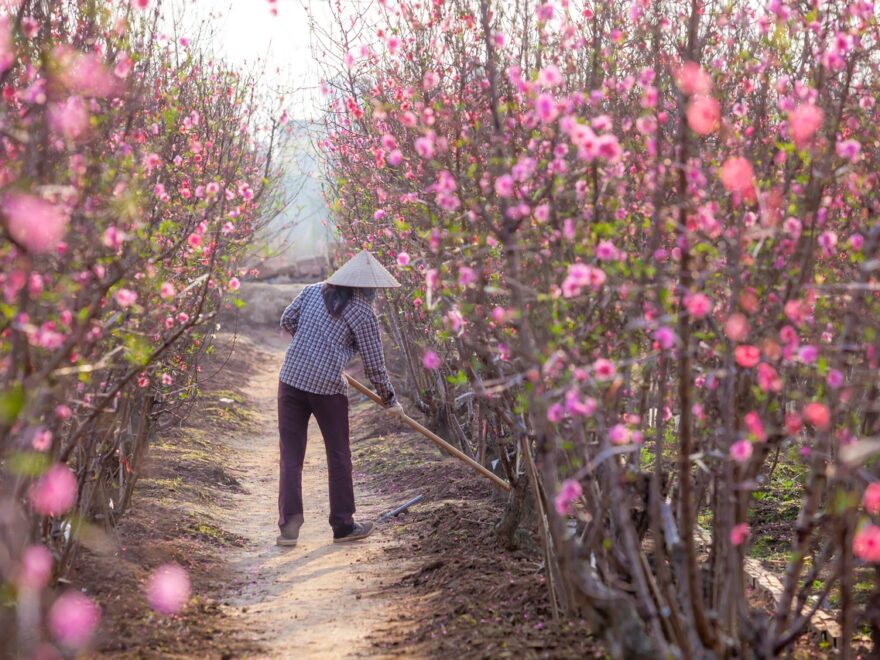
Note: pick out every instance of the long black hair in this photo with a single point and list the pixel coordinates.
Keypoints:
(336, 298)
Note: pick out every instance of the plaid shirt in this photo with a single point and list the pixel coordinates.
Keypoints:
(322, 346)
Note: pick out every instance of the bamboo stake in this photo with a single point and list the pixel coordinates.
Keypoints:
(436, 439)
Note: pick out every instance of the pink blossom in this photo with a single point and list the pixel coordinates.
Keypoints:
(140, 4)
(194, 240)
(739, 533)
(234, 284)
(755, 426)
(466, 276)
(54, 493)
(7, 47)
(606, 251)
(803, 122)
(698, 305)
(692, 79)
(665, 337)
(504, 185)
(848, 150)
(808, 354)
(34, 223)
(834, 379)
(30, 28)
(619, 435)
(576, 407)
(603, 369)
(73, 618)
(608, 147)
(550, 76)
(737, 176)
(430, 80)
(741, 451)
(703, 115)
(168, 589)
(167, 291)
(68, 118)
(123, 65)
(113, 237)
(42, 439)
(866, 543)
(36, 567)
(827, 241)
(126, 297)
(736, 327)
(856, 241)
(568, 494)
(818, 415)
(403, 259)
(545, 106)
(871, 498)
(62, 411)
(425, 147)
(747, 356)
(555, 413)
(430, 360)
(768, 379)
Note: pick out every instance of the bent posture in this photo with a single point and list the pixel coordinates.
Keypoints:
(329, 322)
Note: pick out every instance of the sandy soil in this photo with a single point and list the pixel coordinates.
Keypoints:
(318, 599)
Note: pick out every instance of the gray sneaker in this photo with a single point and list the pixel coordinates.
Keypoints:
(289, 533)
(360, 531)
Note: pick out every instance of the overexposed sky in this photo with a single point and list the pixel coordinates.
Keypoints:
(247, 34)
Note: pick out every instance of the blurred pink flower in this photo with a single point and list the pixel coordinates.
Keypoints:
(140, 4)
(698, 305)
(555, 413)
(768, 379)
(126, 297)
(54, 493)
(168, 589)
(747, 356)
(566, 497)
(665, 337)
(739, 533)
(7, 47)
(741, 451)
(818, 415)
(803, 122)
(703, 115)
(233, 284)
(692, 79)
(166, 291)
(42, 439)
(834, 379)
(603, 369)
(69, 118)
(430, 360)
(848, 150)
(737, 176)
(871, 498)
(755, 426)
(466, 276)
(545, 106)
(866, 543)
(736, 327)
(35, 223)
(73, 619)
(403, 259)
(36, 567)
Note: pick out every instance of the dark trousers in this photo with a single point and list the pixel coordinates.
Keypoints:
(295, 407)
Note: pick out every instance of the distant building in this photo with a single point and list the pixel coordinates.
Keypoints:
(297, 240)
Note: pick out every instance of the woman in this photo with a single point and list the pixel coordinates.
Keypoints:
(329, 322)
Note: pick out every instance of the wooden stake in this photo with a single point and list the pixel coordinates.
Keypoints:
(436, 439)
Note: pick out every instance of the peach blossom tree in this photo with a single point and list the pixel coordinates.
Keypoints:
(639, 246)
(133, 175)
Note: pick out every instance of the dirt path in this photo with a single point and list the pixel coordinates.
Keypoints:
(317, 600)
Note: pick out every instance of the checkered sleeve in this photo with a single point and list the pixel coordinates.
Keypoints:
(290, 317)
(366, 335)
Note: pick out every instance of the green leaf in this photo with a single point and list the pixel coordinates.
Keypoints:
(11, 403)
(28, 463)
(137, 350)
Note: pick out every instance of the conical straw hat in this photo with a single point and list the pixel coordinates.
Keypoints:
(363, 271)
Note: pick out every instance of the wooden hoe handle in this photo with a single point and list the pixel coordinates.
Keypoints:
(433, 437)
